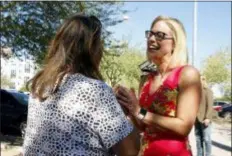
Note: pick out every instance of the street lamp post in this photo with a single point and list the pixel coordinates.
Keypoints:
(194, 32)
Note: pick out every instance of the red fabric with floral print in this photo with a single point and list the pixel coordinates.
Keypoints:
(163, 101)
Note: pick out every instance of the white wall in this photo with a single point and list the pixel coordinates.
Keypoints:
(24, 70)
(217, 91)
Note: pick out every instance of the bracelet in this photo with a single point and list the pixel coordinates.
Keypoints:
(142, 113)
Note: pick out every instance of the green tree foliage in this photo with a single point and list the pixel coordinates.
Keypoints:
(130, 61)
(5, 82)
(217, 67)
(29, 26)
(111, 69)
(217, 70)
(120, 66)
(227, 92)
(24, 89)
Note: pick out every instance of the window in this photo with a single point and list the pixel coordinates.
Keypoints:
(221, 103)
(13, 74)
(26, 79)
(27, 68)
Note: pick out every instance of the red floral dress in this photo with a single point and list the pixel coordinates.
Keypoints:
(164, 102)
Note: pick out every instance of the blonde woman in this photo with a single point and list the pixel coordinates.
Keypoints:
(169, 99)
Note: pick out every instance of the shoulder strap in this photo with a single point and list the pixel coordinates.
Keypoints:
(178, 73)
(174, 78)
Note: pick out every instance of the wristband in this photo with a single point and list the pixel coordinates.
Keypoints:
(142, 113)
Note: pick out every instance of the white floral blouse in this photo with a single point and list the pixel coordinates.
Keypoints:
(83, 118)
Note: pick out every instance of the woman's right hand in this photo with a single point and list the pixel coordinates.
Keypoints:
(128, 99)
(115, 90)
(124, 102)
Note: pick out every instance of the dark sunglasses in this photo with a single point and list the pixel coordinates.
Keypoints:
(158, 35)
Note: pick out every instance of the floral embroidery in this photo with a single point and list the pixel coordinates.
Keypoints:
(171, 95)
(144, 146)
(164, 102)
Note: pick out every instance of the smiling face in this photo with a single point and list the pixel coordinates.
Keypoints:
(160, 41)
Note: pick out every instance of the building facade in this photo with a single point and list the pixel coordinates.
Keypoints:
(18, 71)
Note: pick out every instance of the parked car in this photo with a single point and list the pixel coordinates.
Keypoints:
(14, 106)
(218, 105)
(226, 112)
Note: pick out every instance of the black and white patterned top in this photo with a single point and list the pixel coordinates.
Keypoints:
(83, 119)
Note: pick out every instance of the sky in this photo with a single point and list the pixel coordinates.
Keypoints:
(213, 25)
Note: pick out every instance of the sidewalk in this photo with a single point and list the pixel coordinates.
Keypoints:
(221, 140)
(11, 151)
(10, 145)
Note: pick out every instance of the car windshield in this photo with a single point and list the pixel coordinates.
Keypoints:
(22, 98)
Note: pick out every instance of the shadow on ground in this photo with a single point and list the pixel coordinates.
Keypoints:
(12, 140)
(219, 145)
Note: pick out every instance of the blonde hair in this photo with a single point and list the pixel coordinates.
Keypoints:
(180, 52)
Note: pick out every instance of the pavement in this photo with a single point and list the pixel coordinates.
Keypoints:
(11, 151)
(221, 142)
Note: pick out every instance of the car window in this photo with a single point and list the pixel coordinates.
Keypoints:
(221, 103)
(22, 98)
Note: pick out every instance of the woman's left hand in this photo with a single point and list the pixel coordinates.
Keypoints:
(128, 99)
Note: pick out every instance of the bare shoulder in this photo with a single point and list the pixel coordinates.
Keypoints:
(189, 71)
(189, 75)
